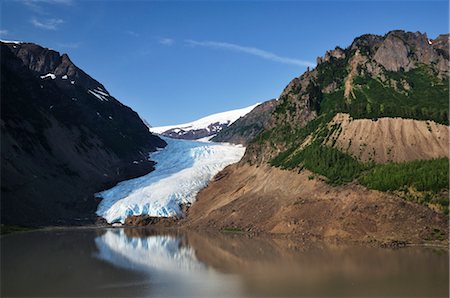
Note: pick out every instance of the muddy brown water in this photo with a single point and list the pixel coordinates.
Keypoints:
(139, 262)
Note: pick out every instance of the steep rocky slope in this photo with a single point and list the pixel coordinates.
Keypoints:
(369, 79)
(64, 137)
(246, 128)
(389, 139)
(319, 136)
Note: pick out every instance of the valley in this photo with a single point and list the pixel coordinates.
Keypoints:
(332, 158)
(224, 149)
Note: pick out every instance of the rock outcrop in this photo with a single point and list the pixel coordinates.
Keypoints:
(395, 62)
(246, 128)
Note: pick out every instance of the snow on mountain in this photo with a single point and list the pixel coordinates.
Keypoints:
(205, 127)
(49, 75)
(11, 41)
(183, 168)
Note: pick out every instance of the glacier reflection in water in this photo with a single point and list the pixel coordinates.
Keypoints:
(172, 267)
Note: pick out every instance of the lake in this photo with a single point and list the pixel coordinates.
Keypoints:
(142, 262)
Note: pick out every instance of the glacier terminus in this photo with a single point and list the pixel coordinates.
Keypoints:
(182, 169)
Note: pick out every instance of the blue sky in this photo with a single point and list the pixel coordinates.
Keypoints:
(175, 61)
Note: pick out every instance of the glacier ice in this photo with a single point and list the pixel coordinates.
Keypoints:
(183, 168)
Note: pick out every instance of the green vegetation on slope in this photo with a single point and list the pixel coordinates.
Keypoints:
(299, 142)
(422, 181)
(416, 94)
(338, 167)
(423, 175)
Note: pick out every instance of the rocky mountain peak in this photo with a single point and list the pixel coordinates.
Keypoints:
(337, 53)
(397, 64)
(404, 50)
(43, 61)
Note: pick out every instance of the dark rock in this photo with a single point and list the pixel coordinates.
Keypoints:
(246, 128)
(63, 139)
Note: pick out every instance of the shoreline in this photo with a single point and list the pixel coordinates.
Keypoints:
(142, 231)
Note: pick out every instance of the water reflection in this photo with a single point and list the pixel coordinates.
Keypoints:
(275, 267)
(171, 264)
(145, 263)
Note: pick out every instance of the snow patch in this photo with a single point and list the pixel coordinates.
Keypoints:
(101, 91)
(221, 118)
(64, 77)
(49, 75)
(182, 169)
(100, 95)
(12, 41)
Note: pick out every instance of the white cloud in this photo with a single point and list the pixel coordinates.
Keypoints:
(34, 3)
(251, 51)
(49, 24)
(4, 32)
(38, 6)
(166, 41)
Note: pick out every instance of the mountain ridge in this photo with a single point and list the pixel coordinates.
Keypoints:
(205, 127)
(64, 137)
(302, 170)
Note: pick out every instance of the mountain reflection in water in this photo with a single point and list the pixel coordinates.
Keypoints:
(171, 264)
(145, 263)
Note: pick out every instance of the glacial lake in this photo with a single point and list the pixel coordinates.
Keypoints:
(141, 262)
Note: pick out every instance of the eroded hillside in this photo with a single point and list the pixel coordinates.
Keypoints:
(333, 141)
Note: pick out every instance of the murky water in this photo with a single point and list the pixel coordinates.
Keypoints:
(137, 262)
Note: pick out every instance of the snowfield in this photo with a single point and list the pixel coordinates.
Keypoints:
(183, 168)
(227, 117)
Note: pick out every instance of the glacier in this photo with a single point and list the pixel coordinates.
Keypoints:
(182, 169)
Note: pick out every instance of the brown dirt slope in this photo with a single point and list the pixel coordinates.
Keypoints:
(390, 139)
(271, 200)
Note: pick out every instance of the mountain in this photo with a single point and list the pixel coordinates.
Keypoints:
(356, 149)
(64, 137)
(203, 128)
(246, 128)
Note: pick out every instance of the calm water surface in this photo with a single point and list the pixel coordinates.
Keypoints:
(137, 262)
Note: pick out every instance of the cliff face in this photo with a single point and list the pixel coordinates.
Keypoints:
(64, 137)
(401, 74)
(246, 128)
